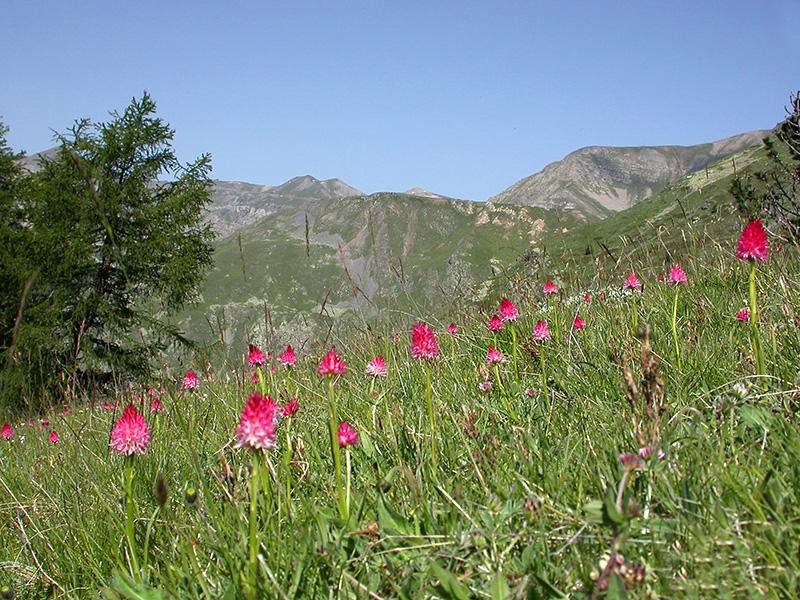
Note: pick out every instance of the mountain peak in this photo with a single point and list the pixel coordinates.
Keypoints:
(599, 180)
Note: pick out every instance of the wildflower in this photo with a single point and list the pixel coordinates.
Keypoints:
(661, 277)
(8, 432)
(54, 439)
(494, 356)
(743, 315)
(155, 406)
(332, 364)
(530, 392)
(630, 461)
(550, 287)
(677, 276)
(495, 324)
(632, 283)
(423, 342)
(190, 381)
(347, 435)
(107, 406)
(288, 358)
(452, 328)
(587, 297)
(290, 408)
(645, 452)
(753, 243)
(541, 331)
(377, 367)
(508, 312)
(485, 386)
(578, 323)
(130, 434)
(257, 426)
(256, 357)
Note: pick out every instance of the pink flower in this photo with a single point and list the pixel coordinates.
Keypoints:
(508, 312)
(347, 435)
(530, 392)
(190, 381)
(495, 324)
(661, 277)
(54, 439)
(550, 287)
(290, 409)
(494, 356)
(155, 406)
(631, 461)
(632, 283)
(423, 342)
(130, 434)
(753, 243)
(677, 276)
(541, 331)
(743, 315)
(452, 328)
(258, 424)
(645, 452)
(332, 364)
(8, 432)
(288, 358)
(109, 406)
(578, 323)
(485, 386)
(377, 367)
(255, 357)
(587, 297)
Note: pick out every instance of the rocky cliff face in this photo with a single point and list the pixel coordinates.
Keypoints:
(236, 205)
(601, 180)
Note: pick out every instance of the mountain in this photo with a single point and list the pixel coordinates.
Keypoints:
(315, 264)
(422, 193)
(235, 204)
(601, 180)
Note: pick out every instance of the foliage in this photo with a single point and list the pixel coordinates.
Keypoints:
(112, 249)
(774, 192)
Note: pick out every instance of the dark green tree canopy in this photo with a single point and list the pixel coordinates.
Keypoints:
(118, 242)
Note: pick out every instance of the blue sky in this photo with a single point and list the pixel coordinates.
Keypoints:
(462, 98)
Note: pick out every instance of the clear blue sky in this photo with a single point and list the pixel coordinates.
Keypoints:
(462, 98)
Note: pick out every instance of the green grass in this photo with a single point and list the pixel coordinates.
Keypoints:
(524, 508)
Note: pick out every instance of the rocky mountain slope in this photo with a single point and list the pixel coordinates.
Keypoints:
(235, 204)
(317, 263)
(600, 180)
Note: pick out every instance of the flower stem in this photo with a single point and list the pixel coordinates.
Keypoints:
(544, 374)
(337, 461)
(347, 496)
(431, 416)
(504, 392)
(129, 513)
(253, 556)
(675, 328)
(635, 314)
(759, 355)
(514, 349)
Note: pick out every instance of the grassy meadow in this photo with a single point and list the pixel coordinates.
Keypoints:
(593, 466)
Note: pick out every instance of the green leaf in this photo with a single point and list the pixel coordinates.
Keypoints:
(449, 586)
(392, 521)
(500, 589)
(616, 589)
(610, 512)
(754, 417)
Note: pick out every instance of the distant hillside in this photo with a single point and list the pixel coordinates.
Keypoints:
(363, 255)
(235, 205)
(688, 216)
(601, 180)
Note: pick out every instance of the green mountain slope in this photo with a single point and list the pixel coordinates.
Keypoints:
(361, 256)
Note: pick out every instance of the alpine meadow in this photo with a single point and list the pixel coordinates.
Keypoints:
(586, 386)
